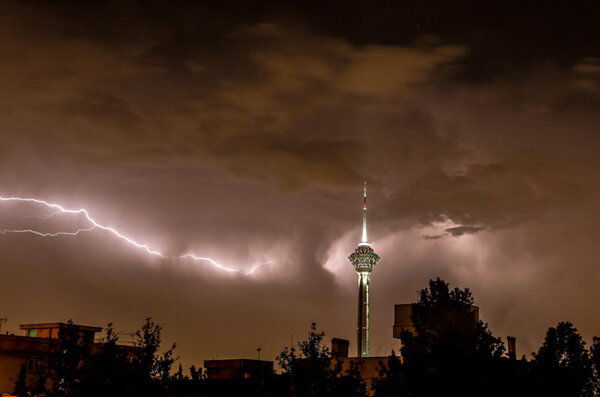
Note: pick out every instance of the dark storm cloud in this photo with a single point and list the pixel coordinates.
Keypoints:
(460, 230)
(245, 135)
(254, 112)
(429, 237)
(498, 194)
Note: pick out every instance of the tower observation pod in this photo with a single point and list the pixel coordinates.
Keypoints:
(364, 260)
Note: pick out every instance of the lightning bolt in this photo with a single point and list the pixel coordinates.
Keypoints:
(59, 209)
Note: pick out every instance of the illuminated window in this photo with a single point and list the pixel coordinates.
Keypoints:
(32, 333)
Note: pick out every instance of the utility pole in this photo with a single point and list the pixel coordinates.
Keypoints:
(258, 350)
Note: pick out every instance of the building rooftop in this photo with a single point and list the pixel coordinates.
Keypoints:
(59, 325)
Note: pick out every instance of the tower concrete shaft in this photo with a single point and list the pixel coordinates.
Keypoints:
(364, 260)
(362, 334)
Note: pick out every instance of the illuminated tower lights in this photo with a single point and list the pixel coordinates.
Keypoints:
(364, 260)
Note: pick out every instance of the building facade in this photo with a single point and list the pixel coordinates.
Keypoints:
(29, 351)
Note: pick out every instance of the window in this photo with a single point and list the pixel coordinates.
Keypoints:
(33, 365)
(32, 333)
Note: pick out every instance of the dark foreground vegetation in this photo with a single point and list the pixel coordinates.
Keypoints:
(451, 354)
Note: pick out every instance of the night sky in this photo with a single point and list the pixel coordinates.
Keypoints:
(244, 133)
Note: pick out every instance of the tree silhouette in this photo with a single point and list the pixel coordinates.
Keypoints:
(151, 371)
(309, 371)
(451, 352)
(563, 366)
(110, 370)
(66, 363)
(196, 374)
(76, 367)
(20, 383)
(391, 376)
(595, 357)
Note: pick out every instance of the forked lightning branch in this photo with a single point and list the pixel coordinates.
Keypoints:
(94, 225)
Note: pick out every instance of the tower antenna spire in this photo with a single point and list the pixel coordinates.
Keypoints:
(364, 229)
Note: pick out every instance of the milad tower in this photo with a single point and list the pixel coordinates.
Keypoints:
(364, 260)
